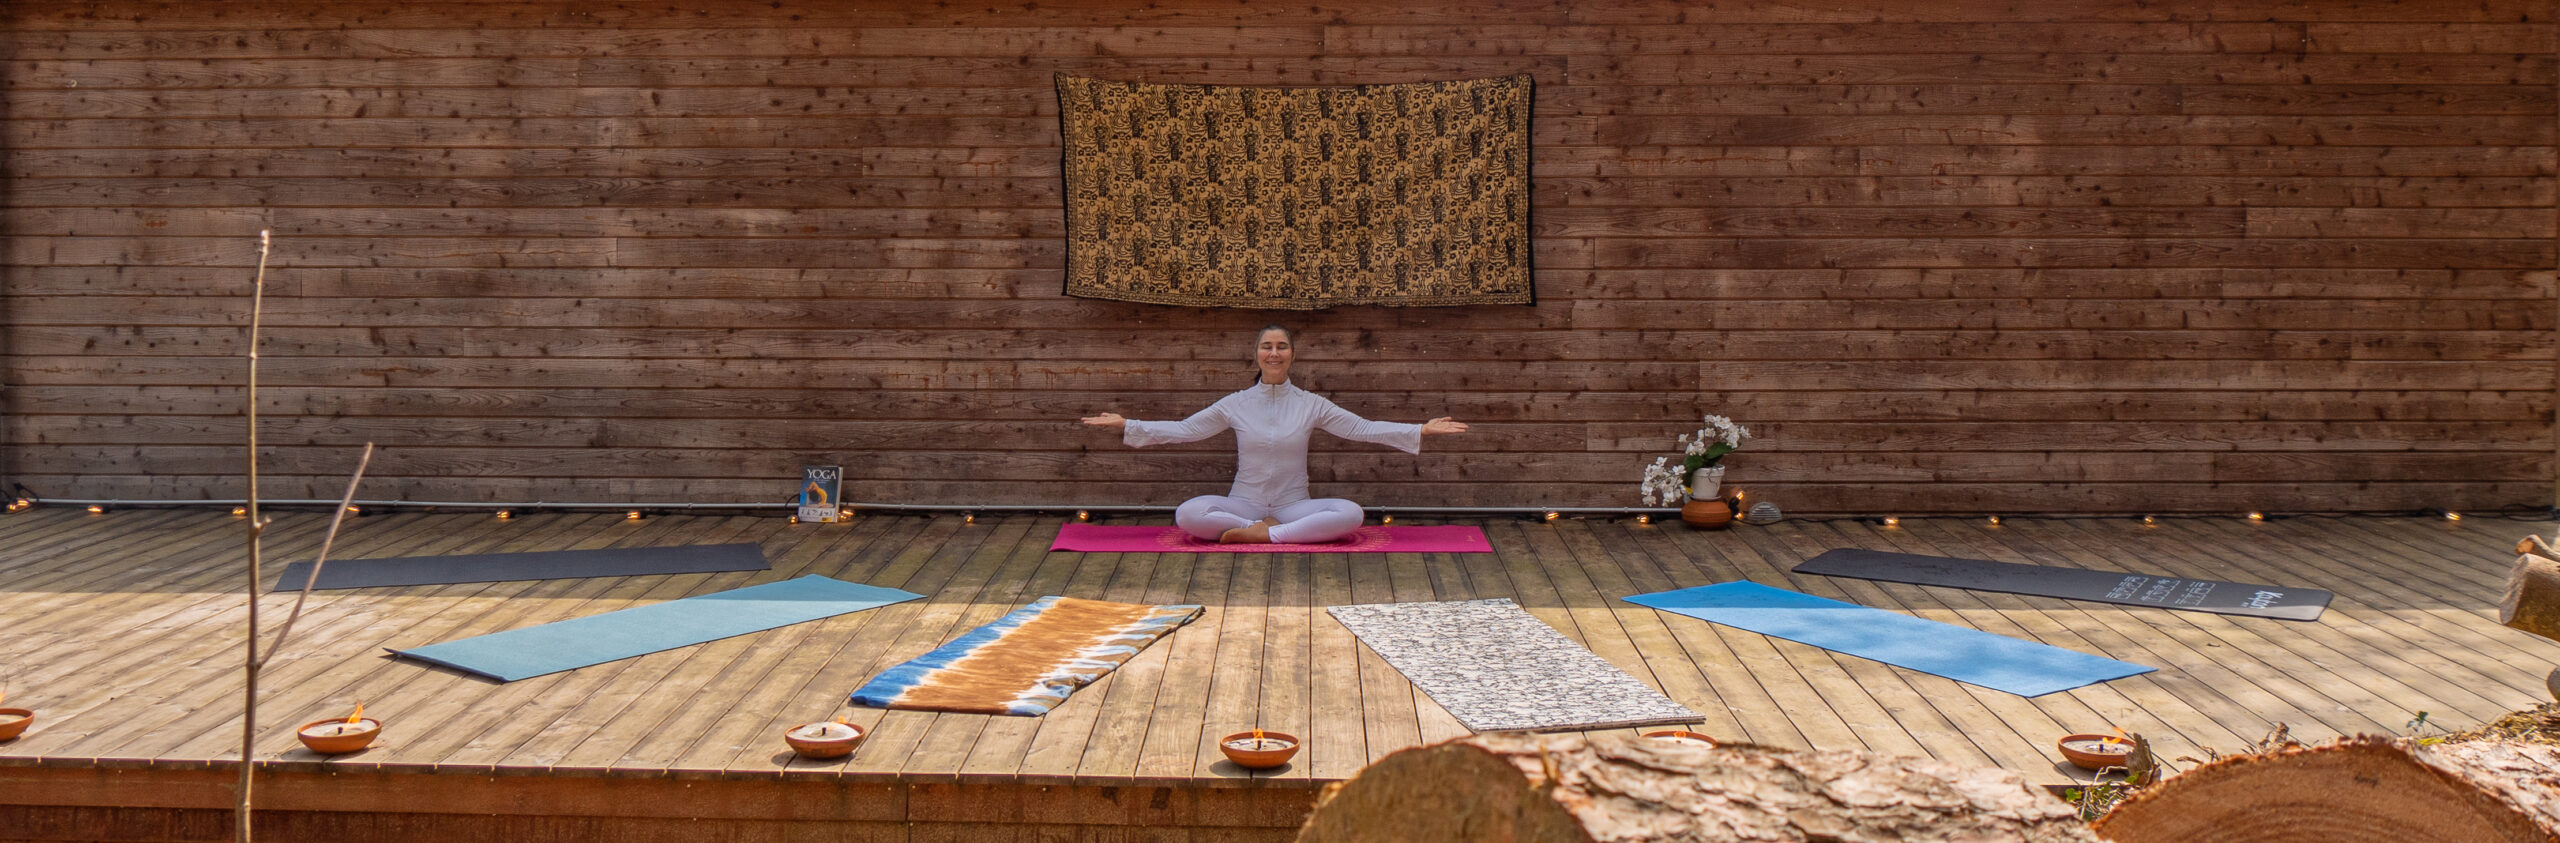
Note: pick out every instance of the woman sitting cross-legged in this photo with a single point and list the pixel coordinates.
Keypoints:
(1273, 420)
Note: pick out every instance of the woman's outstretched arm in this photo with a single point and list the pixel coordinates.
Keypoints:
(1201, 425)
(1109, 420)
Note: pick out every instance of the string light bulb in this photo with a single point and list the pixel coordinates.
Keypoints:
(2451, 515)
(97, 509)
(1386, 519)
(355, 510)
(1551, 514)
(968, 518)
(845, 514)
(21, 503)
(2257, 516)
(633, 515)
(1995, 520)
(2149, 521)
(505, 514)
(1891, 521)
(1082, 515)
(795, 519)
(1644, 519)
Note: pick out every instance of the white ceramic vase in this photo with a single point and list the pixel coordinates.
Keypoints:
(1706, 482)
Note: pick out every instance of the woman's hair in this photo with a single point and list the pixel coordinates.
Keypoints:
(1254, 359)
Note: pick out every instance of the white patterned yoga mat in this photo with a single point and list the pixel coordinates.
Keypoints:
(1496, 668)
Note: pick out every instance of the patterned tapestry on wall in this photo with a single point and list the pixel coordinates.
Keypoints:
(1298, 198)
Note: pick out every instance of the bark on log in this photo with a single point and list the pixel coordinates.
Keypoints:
(2532, 600)
(2356, 790)
(1619, 787)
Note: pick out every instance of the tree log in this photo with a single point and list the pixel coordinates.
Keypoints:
(1619, 787)
(2532, 601)
(2355, 790)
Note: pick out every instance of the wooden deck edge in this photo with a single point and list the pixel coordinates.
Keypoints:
(49, 799)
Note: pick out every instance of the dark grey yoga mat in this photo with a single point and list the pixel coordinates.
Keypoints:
(541, 565)
(2227, 598)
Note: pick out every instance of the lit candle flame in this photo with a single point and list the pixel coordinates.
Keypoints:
(1257, 734)
(357, 717)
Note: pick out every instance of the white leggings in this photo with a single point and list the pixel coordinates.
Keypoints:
(1305, 522)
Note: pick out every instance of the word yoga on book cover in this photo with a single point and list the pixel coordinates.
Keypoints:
(820, 486)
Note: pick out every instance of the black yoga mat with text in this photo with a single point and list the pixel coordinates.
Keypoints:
(539, 565)
(2227, 598)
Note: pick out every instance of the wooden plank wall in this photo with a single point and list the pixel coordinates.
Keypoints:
(2073, 255)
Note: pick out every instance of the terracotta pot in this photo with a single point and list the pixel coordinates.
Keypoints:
(1271, 750)
(824, 740)
(320, 737)
(2095, 752)
(1681, 736)
(1707, 515)
(14, 722)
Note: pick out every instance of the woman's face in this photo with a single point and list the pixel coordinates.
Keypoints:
(1272, 354)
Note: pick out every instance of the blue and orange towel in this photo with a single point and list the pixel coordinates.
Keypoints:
(1028, 661)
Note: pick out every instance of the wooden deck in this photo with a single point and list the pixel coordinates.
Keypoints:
(122, 631)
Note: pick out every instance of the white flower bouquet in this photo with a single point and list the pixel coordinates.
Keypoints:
(1665, 484)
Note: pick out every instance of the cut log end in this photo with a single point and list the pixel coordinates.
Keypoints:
(2532, 599)
(2357, 790)
(1620, 787)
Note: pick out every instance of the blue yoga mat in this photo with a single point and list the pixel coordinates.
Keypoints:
(1972, 656)
(638, 631)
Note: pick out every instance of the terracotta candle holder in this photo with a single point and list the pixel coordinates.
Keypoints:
(2095, 752)
(829, 739)
(1681, 736)
(1260, 749)
(336, 736)
(14, 722)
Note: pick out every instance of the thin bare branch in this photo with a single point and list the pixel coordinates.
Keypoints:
(257, 526)
(326, 541)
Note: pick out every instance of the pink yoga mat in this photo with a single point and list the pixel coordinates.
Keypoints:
(1097, 538)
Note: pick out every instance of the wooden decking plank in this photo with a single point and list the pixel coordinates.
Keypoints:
(1235, 680)
(114, 595)
(503, 715)
(970, 560)
(706, 701)
(1139, 684)
(1665, 662)
(653, 706)
(1180, 718)
(543, 720)
(751, 722)
(945, 744)
(2136, 703)
(2466, 621)
(2348, 634)
(1802, 679)
(2332, 644)
(1998, 723)
(431, 702)
(1740, 710)
(921, 565)
(2200, 710)
(195, 681)
(1057, 750)
(1285, 701)
(169, 657)
(332, 677)
(996, 754)
(1337, 735)
(56, 552)
(2282, 677)
(1387, 697)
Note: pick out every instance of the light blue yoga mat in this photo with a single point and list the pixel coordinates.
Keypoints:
(641, 630)
(1972, 656)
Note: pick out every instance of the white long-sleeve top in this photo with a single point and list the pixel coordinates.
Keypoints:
(1272, 424)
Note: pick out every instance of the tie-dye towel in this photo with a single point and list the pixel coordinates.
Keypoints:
(1028, 661)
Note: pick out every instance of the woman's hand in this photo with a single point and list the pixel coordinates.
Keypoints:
(1115, 422)
(1443, 424)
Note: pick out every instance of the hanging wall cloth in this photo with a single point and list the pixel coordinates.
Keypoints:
(1297, 198)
